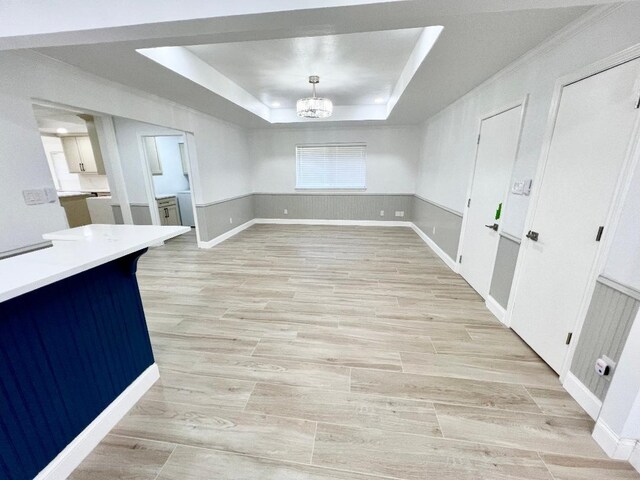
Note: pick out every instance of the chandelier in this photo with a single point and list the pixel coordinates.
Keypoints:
(314, 107)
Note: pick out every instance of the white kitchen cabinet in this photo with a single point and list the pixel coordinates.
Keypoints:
(151, 152)
(72, 154)
(169, 213)
(79, 154)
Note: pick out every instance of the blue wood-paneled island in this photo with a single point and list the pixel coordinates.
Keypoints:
(75, 353)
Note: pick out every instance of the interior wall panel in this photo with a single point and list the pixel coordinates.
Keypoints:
(442, 225)
(214, 218)
(504, 269)
(333, 207)
(611, 313)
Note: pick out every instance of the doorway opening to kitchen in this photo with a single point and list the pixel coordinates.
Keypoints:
(75, 159)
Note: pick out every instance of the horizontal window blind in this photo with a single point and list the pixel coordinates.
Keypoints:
(331, 166)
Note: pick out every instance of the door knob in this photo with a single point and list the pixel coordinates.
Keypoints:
(493, 227)
(531, 235)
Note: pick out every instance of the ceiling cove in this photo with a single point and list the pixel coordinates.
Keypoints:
(364, 74)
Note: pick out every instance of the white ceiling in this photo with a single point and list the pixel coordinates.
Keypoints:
(268, 55)
(354, 69)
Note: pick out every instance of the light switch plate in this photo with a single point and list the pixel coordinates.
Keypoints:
(34, 197)
(518, 188)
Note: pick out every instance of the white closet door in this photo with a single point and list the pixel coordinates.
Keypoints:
(588, 148)
(494, 161)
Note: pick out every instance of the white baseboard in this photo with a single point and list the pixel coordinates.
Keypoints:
(634, 459)
(451, 263)
(494, 307)
(614, 446)
(226, 235)
(81, 446)
(581, 394)
(356, 223)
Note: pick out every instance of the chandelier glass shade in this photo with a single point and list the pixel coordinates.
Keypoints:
(314, 106)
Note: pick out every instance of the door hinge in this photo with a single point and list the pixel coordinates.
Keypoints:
(460, 259)
(478, 140)
(638, 103)
(599, 234)
(568, 340)
(468, 203)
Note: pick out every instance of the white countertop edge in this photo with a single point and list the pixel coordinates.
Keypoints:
(77, 243)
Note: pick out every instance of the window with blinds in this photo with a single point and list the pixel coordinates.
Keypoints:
(331, 166)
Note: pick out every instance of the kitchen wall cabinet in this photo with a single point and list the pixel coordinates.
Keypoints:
(80, 156)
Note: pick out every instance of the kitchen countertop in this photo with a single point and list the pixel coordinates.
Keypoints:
(70, 193)
(76, 250)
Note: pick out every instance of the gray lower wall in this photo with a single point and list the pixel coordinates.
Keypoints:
(611, 313)
(140, 214)
(504, 269)
(442, 225)
(213, 218)
(333, 207)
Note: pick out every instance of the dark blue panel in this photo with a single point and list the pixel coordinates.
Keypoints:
(67, 351)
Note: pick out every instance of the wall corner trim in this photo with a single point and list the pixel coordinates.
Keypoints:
(221, 238)
(614, 446)
(81, 446)
(451, 263)
(581, 394)
(498, 310)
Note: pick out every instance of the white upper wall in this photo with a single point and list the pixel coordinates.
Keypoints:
(223, 166)
(449, 138)
(23, 165)
(623, 260)
(392, 155)
(173, 179)
(128, 133)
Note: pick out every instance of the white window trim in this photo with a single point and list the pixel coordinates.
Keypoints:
(330, 188)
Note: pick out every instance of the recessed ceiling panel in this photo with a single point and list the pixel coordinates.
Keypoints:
(354, 69)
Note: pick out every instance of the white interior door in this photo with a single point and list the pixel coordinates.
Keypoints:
(496, 153)
(589, 145)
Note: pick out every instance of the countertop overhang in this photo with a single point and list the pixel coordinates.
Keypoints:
(76, 250)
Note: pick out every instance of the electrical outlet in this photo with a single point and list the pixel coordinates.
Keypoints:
(286, 212)
(382, 213)
(230, 220)
(400, 213)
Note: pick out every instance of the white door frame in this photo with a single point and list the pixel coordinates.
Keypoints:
(192, 164)
(108, 148)
(613, 216)
(149, 187)
(465, 217)
(189, 143)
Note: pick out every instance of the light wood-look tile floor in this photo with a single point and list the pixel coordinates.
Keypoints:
(318, 352)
